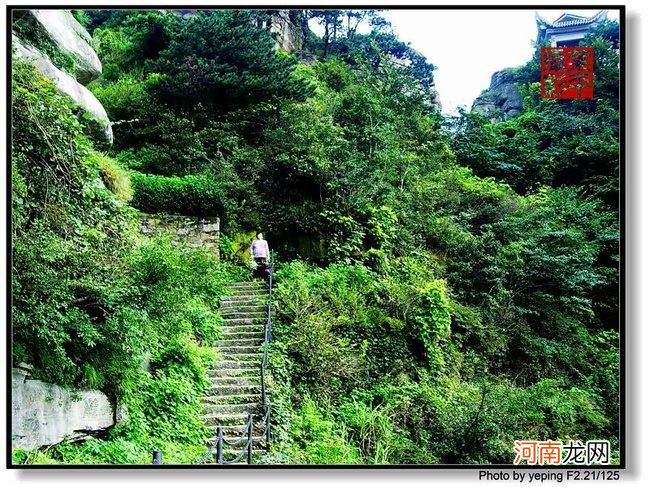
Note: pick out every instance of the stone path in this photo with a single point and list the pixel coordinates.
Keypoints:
(235, 390)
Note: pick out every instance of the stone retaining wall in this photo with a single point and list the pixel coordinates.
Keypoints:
(193, 231)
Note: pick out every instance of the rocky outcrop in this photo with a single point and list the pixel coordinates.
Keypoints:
(501, 101)
(66, 85)
(61, 50)
(70, 37)
(284, 26)
(46, 414)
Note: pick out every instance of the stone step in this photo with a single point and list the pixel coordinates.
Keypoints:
(240, 284)
(244, 301)
(253, 286)
(243, 307)
(243, 331)
(243, 357)
(217, 390)
(226, 418)
(228, 380)
(248, 293)
(252, 315)
(230, 349)
(236, 430)
(243, 327)
(240, 342)
(258, 441)
(244, 407)
(236, 370)
(235, 397)
(248, 298)
(230, 324)
(252, 289)
(230, 452)
(232, 365)
(227, 322)
(245, 334)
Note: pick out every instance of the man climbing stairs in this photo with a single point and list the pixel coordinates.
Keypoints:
(235, 391)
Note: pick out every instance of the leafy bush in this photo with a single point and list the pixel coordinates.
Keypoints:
(188, 195)
(373, 429)
(222, 57)
(116, 178)
(319, 440)
(69, 238)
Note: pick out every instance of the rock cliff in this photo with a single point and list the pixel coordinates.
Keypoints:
(286, 29)
(501, 100)
(60, 48)
(46, 414)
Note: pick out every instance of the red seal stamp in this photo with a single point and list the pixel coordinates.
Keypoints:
(567, 73)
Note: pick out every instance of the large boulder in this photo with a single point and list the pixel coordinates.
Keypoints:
(501, 101)
(70, 37)
(46, 414)
(66, 85)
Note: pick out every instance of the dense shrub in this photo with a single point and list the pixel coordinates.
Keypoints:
(69, 239)
(317, 439)
(188, 195)
(114, 176)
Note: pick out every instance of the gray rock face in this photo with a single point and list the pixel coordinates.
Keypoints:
(70, 37)
(286, 31)
(46, 414)
(501, 101)
(66, 85)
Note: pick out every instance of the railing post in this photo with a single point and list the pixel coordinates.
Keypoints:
(219, 445)
(157, 457)
(249, 445)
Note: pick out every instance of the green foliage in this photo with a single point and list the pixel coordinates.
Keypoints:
(319, 440)
(116, 178)
(68, 236)
(432, 319)
(188, 195)
(554, 142)
(359, 323)
(94, 304)
(223, 57)
(373, 429)
(81, 16)
(439, 294)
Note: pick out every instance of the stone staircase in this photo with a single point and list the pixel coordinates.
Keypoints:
(235, 389)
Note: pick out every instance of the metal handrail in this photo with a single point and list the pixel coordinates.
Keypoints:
(265, 361)
(247, 450)
(240, 440)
